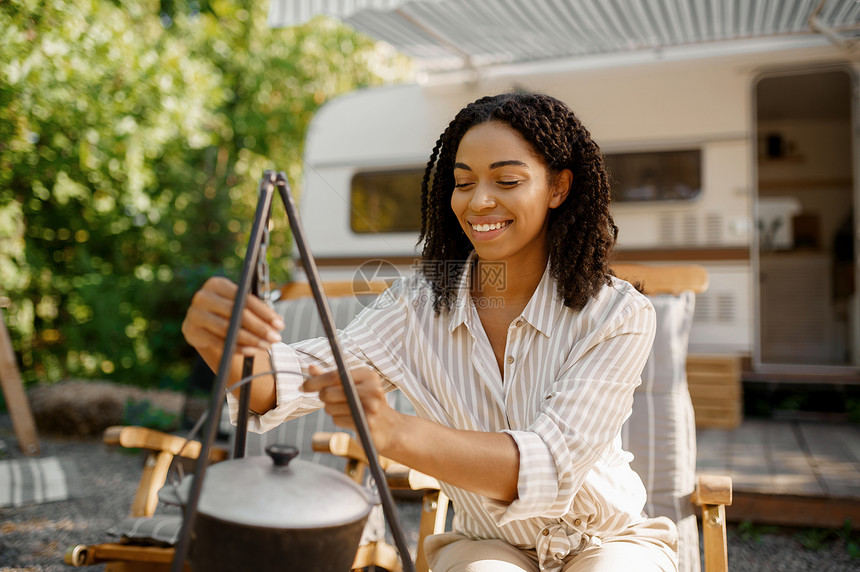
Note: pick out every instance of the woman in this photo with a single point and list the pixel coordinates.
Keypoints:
(518, 349)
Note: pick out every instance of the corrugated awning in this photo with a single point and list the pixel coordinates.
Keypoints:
(450, 34)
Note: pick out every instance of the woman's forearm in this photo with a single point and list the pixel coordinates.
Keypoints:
(480, 462)
(263, 395)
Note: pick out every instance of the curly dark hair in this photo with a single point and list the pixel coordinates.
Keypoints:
(581, 231)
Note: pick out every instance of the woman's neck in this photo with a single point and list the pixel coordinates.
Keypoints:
(513, 282)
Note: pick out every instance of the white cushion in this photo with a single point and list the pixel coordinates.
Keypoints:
(661, 432)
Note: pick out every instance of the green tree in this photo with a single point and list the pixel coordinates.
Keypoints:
(132, 135)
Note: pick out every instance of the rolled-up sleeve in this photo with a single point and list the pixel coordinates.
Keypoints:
(290, 401)
(581, 415)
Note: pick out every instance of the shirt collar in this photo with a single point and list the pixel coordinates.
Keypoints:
(540, 311)
(463, 302)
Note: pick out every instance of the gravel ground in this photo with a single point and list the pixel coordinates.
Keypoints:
(34, 538)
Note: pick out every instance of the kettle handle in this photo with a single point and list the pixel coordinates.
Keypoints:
(282, 454)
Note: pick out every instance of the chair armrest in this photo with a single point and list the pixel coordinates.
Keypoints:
(398, 476)
(403, 478)
(713, 493)
(132, 437)
(712, 490)
(162, 448)
(664, 279)
(343, 445)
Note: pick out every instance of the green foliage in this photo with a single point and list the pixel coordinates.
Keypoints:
(132, 137)
(144, 414)
(851, 538)
(751, 532)
(852, 407)
(816, 539)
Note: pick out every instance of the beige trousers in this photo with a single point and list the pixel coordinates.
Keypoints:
(650, 545)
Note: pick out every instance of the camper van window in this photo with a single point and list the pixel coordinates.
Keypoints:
(655, 175)
(386, 201)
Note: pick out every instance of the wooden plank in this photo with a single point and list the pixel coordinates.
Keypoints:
(717, 417)
(434, 511)
(715, 409)
(715, 393)
(748, 452)
(774, 482)
(713, 363)
(706, 371)
(832, 462)
(715, 390)
(16, 400)
(108, 552)
(672, 279)
(333, 289)
(849, 436)
(789, 465)
(713, 451)
(695, 254)
(712, 490)
(714, 538)
(723, 422)
(793, 510)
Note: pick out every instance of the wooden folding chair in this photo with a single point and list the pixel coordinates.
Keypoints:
(161, 450)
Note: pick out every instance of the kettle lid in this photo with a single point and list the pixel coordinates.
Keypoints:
(280, 491)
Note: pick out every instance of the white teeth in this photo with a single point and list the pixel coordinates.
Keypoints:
(488, 227)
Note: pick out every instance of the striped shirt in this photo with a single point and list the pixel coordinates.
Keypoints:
(564, 394)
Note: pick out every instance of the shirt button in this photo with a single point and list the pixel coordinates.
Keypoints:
(510, 359)
(545, 532)
(519, 323)
(577, 522)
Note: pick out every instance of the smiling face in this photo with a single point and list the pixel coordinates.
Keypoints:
(503, 193)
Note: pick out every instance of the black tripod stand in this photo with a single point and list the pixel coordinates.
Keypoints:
(247, 282)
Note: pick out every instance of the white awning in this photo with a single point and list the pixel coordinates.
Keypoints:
(450, 34)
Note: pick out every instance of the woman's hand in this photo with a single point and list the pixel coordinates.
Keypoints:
(381, 417)
(483, 462)
(208, 318)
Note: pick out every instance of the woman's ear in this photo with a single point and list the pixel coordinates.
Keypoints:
(560, 187)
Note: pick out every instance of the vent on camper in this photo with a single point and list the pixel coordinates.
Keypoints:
(715, 307)
(713, 228)
(689, 229)
(667, 229)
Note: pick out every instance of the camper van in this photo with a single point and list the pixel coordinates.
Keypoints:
(738, 156)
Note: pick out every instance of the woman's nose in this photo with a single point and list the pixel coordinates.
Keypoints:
(482, 198)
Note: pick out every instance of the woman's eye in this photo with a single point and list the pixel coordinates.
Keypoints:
(461, 185)
(508, 183)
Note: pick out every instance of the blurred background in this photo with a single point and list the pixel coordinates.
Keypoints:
(133, 134)
(132, 137)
